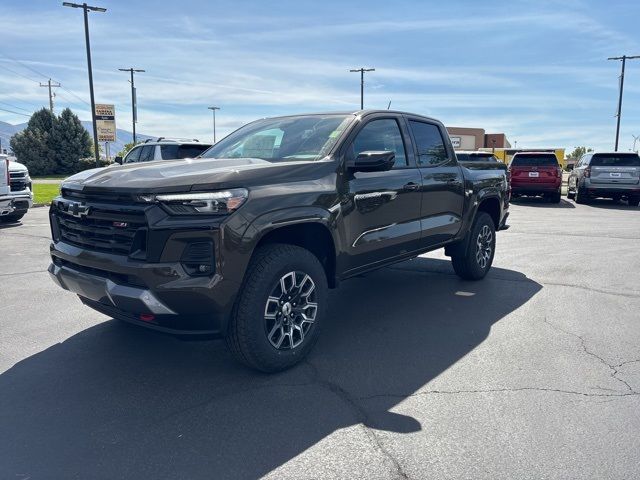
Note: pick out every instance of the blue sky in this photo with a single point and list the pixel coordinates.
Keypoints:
(534, 70)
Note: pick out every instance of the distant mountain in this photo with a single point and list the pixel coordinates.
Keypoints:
(7, 130)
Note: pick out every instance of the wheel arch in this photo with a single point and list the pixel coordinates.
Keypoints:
(309, 229)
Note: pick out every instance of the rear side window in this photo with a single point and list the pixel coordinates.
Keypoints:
(618, 160)
(133, 156)
(169, 152)
(542, 160)
(430, 145)
(381, 135)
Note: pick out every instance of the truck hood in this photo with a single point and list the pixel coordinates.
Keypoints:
(15, 167)
(191, 174)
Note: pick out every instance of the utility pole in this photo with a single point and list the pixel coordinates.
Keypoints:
(213, 109)
(51, 94)
(624, 59)
(635, 139)
(134, 99)
(86, 9)
(362, 70)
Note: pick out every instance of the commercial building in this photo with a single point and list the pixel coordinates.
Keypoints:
(476, 138)
(464, 138)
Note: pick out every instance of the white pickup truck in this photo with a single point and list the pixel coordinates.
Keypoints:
(16, 195)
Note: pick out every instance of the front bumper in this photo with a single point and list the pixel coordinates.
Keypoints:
(153, 284)
(15, 203)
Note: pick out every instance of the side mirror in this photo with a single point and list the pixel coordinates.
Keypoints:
(118, 160)
(373, 161)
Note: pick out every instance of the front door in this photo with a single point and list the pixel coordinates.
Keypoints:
(381, 209)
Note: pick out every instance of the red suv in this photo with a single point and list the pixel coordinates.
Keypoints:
(536, 173)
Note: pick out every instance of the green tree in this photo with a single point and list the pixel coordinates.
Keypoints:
(578, 152)
(32, 145)
(53, 145)
(127, 147)
(70, 142)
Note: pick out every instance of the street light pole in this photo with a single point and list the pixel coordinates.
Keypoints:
(134, 99)
(213, 109)
(86, 9)
(362, 70)
(624, 59)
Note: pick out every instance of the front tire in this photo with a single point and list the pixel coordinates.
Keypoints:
(474, 261)
(280, 308)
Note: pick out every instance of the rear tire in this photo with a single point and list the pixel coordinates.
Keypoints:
(270, 329)
(570, 195)
(474, 261)
(11, 218)
(581, 196)
(556, 197)
(634, 201)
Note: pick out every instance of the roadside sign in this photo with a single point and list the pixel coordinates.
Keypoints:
(106, 122)
(455, 141)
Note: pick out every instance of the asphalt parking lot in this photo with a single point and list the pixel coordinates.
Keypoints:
(532, 373)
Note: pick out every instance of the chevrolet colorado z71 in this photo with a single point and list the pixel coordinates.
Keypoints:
(244, 242)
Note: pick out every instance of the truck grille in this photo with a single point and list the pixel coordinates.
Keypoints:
(18, 181)
(101, 229)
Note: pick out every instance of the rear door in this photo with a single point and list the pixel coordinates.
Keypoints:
(615, 169)
(381, 210)
(442, 183)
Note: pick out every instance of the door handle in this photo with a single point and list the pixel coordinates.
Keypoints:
(411, 186)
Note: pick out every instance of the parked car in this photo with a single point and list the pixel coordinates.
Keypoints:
(614, 175)
(244, 243)
(163, 149)
(475, 156)
(15, 203)
(536, 174)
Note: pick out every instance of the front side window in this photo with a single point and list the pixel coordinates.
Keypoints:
(147, 153)
(133, 155)
(431, 150)
(305, 137)
(381, 135)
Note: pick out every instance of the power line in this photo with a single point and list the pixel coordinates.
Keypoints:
(14, 106)
(17, 113)
(37, 73)
(18, 73)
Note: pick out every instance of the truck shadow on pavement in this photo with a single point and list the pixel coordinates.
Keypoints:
(116, 401)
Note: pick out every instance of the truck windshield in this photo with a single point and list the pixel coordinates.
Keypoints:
(305, 137)
(616, 160)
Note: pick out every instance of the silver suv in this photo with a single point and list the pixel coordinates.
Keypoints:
(163, 149)
(613, 175)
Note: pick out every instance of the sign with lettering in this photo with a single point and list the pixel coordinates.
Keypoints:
(106, 122)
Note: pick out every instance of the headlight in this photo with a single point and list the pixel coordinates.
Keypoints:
(208, 203)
